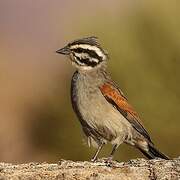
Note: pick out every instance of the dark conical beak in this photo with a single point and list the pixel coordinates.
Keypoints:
(65, 50)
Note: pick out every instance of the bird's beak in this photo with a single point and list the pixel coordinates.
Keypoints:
(65, 50)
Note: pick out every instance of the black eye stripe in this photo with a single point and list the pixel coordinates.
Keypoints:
(91, 53)
(85, 62)
(89, 63)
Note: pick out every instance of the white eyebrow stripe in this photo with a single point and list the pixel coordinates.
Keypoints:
(89, 47)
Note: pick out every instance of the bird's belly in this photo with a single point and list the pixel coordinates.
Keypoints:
(101, 116)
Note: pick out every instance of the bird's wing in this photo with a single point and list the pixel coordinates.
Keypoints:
(115, 97)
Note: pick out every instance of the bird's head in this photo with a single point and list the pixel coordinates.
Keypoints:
(85, 53)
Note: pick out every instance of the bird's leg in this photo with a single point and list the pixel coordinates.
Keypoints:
(97, 152)
(112, 152)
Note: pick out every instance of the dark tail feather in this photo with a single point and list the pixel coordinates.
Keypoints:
(153, 153)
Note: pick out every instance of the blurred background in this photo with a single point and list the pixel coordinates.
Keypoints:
(37, 122)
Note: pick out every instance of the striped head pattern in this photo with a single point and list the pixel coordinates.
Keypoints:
(85, 53)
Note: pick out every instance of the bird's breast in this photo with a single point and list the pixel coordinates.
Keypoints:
(95, 110)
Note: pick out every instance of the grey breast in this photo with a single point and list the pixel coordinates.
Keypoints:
(98, 116)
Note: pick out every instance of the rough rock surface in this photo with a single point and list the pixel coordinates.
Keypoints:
(134, 169)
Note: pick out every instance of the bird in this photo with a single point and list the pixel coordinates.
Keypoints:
(100, 105)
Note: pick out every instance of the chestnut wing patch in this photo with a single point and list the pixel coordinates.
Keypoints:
(117, 99)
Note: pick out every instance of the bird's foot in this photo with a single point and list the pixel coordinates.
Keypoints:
(93, 159)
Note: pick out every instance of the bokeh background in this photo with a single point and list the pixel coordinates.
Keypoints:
(143, 40)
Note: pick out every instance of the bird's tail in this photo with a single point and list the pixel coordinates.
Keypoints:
(152, 152)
